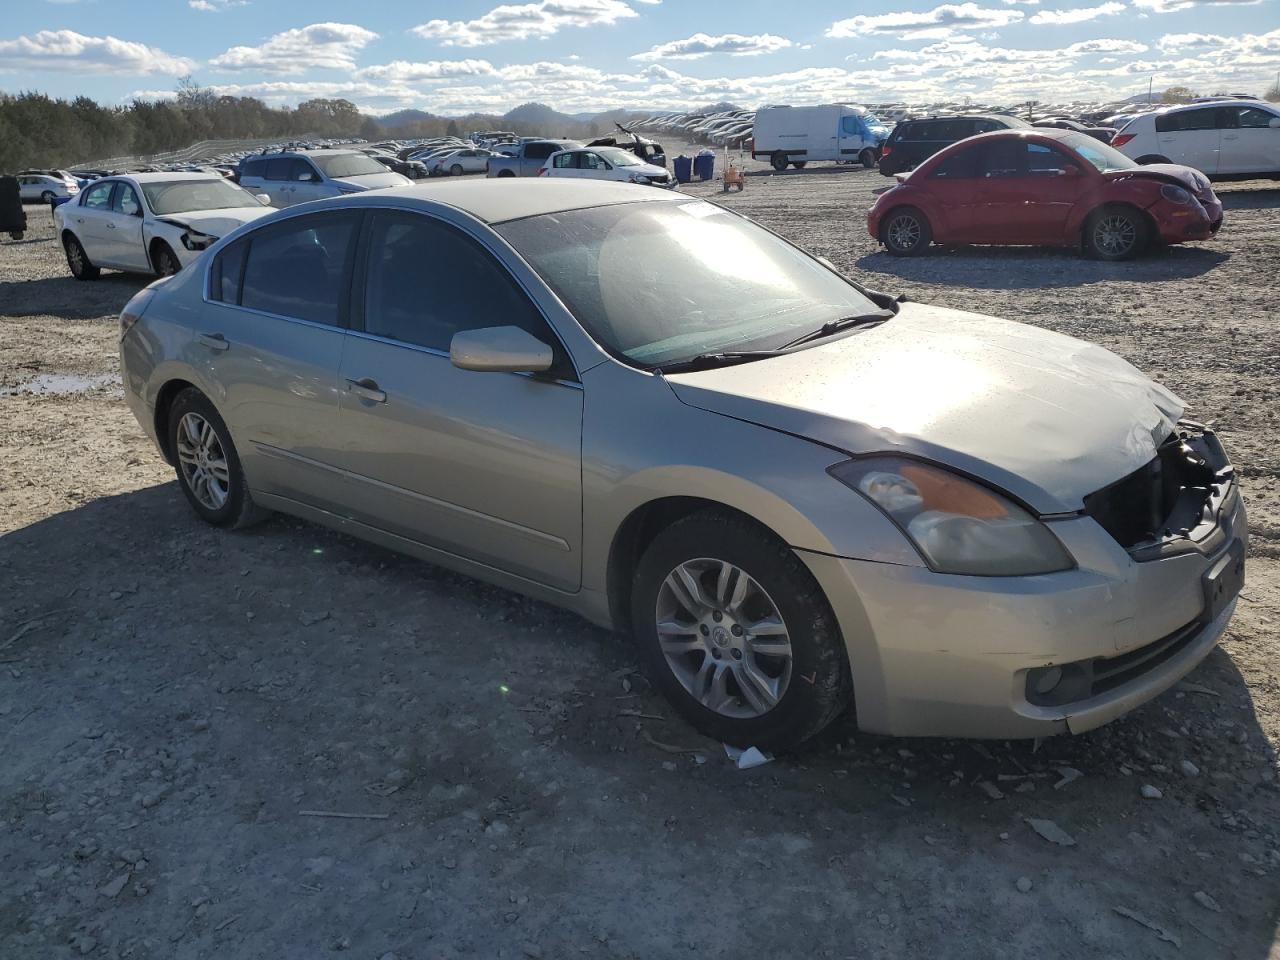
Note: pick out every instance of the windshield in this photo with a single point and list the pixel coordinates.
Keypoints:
(619, 157)
(1102, 156)
(336, 165)
(183, 196)
(662, 282)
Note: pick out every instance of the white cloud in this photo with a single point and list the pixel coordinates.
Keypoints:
(68, 50)
(703, 45)
(216, 6)
(1171, 6)
(935, 23)
(1191, 41)
(401, 71)
(524, 21)
(320, 46)
(1078, 14)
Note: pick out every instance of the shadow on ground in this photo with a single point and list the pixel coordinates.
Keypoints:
(175, 695)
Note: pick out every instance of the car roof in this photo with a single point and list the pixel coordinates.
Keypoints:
(1212, 104)
(501, 199)
(165, 177)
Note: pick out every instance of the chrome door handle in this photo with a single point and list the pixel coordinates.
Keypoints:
(367, 389)
(110, 225)
(214, 341)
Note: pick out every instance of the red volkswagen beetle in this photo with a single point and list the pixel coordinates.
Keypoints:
(1044, 187)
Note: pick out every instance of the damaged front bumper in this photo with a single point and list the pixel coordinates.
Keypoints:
(1006, 657)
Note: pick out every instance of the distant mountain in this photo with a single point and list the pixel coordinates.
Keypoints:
(402, 118)
(722, 107)
(539, 115)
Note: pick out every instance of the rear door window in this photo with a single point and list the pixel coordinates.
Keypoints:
(253, 168)
(1187, 120)
(540, 151)
(227, 273)
(564, 161)
(301, 268)
(278, 168)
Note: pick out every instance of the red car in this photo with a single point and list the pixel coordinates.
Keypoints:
(1044, 187)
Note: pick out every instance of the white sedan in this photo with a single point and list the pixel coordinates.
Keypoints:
(605, 163)
(455, 164)
(150, 222)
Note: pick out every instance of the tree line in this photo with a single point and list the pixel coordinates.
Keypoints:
(38, 131)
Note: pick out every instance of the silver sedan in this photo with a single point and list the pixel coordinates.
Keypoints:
(797, 494)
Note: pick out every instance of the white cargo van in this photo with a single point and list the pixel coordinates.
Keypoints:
(832, 131)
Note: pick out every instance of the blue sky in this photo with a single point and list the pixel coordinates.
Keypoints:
(585, 55)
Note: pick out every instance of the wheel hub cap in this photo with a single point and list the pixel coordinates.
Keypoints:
(202, 461)
(723, 638)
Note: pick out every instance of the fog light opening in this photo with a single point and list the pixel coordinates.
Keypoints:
(1047, 679)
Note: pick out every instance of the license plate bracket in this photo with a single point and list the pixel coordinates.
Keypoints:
(1224, 581)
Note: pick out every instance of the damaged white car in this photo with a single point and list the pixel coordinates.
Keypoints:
(150, 222)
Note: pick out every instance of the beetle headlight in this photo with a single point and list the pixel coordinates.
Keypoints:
(958, 526)
(1175, 194)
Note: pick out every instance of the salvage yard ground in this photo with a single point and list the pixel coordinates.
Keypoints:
(174, 699)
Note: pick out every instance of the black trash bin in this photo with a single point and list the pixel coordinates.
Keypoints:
(13, 219)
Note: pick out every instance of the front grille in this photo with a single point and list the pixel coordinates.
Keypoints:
(1169, 495)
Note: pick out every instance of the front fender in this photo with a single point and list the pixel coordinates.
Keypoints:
(675, 450)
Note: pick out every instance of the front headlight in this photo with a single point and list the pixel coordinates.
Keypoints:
(637, 178)
(958, 526)
(194, 240)
(1175, 194)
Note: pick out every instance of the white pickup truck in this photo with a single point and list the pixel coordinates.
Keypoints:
(528, 158)
(831, 131)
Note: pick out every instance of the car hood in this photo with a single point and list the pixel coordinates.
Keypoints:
(216, 223)
(375, 181)
(647, 170)
(1045, 417)
(1183, 176)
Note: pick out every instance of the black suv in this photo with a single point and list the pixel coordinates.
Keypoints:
(914, 141)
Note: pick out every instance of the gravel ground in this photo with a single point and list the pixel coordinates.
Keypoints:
(174, 698)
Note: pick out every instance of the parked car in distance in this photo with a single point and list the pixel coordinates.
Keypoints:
(606, 163)
(677, 424)
(296, 177)
(914, 141)
(458, 162)
(796, 135)
(45, 186)
(1232, 140)
(1105, 134)
(413, 169)
(526, 159)
(150, 222)
(650, 151)
(1043, 187)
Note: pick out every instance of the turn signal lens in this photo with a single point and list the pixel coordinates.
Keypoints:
(134, 309)
(959, 526)
(1120, 139)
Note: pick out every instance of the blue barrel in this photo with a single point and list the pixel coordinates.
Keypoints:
(704, 165)
(683, 167)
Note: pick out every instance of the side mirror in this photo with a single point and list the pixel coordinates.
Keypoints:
(306, 178)
(500, 350)
(264, 199)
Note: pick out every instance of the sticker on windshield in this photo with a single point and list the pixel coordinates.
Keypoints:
(701, 209)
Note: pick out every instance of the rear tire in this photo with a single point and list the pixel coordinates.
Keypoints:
(1115, 233)
(78, 260)
(868, 158)
(207, 463)
(906, 232)
(795, 675)
(46, 197)
(505, 173)
(799, 164)
(456, 170)
(778, 161)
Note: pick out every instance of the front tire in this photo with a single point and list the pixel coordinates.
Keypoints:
(906, 232)
(165, 260)
(505, 173)
(737, 634)
(46, 197)
(78, 260)
(868, 158)
(778, 161)
(207, 463)
(1115, 233)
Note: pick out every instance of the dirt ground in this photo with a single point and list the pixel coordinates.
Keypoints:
(174, 698)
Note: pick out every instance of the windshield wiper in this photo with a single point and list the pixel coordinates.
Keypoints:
(832, 327)
(705, 361)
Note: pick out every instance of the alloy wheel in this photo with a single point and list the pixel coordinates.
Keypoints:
(203, 462)
(75, 257)
(904, 232)
(1115, 235)
(723, 638)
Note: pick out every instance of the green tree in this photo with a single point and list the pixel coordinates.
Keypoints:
(1178, 95)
